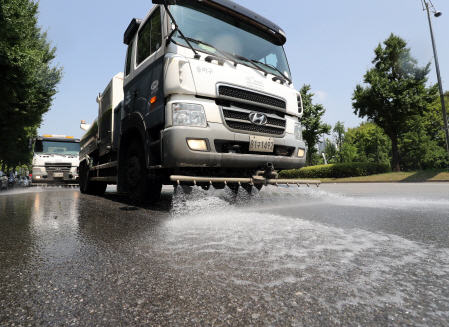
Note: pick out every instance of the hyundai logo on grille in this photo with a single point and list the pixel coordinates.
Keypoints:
(257, 119)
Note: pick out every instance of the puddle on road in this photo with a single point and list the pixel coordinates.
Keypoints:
(36, 189)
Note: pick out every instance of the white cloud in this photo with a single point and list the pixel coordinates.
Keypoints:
(320, 96)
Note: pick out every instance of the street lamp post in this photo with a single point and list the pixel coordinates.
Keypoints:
(437, 67)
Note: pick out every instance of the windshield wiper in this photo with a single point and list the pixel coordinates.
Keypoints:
(197, 55)
(252, 64)
(228, 57)
(284, 78)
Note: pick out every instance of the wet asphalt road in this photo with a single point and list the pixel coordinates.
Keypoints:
(343, 254)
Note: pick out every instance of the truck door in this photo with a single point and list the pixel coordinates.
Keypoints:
(147, 83)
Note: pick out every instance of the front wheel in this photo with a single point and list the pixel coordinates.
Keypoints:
(87, 186)
(141, 189)
(84, 179)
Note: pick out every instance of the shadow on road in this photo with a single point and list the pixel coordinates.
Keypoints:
(421, 176)
(163, 205)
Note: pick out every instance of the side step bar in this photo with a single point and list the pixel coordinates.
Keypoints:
(254, 180)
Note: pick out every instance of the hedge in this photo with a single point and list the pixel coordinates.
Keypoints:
(351, 169)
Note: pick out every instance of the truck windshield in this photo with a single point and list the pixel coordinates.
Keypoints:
(224, 32)
(52, 147)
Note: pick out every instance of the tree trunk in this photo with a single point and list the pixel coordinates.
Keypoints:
(309, 156)
(395, 148)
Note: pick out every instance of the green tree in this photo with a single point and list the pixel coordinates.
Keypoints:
(366, 143)
(330, 151)
(395, 90)
(28, 80)
(311, 121)
(423, 145)
(339, 136)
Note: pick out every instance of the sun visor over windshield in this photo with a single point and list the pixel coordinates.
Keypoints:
(250, 17)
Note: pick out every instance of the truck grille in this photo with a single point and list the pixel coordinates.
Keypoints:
(236, 93)
(58, 165)
(238, 119)
(57, 170)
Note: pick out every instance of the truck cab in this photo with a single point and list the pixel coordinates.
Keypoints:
(55, 160)
(207, 96)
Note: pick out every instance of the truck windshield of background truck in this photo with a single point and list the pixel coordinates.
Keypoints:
(224, 32)
(52, 147)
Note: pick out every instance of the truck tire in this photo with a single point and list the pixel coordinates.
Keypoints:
(84, 178)
(87, 186)
(141, 189)
(100, 188)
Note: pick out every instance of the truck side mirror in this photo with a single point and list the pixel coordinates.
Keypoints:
(161, 2)
(30, 143)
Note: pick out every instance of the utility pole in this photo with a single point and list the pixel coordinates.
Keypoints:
(437, 67)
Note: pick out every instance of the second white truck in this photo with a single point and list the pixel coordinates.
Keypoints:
(55, 160)
(206, 97)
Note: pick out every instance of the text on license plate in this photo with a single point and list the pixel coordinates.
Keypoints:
(58, 175)
(261, 144)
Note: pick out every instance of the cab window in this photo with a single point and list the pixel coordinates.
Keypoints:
(150, 37)
(128, 59)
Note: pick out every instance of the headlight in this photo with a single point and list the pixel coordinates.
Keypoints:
(37, 170)
(185, 114)
(298, 131)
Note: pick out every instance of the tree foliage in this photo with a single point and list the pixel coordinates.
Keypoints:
(339, 137)
(28, 79)
(395, 90)
(330, 151)
(423, 145)
(312, 122)
(366, 143)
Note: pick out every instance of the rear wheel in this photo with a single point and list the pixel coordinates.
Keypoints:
(99, 188)
(141, 189)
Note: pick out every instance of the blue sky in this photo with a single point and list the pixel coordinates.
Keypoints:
(329, 45)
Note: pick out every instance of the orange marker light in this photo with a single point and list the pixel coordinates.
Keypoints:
(153, 100)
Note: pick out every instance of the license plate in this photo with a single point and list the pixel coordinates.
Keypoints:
(58, 175)
(261, 144)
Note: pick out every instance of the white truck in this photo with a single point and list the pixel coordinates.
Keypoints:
(206, 97)
(55, 160)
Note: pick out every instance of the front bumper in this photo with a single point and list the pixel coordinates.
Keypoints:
(48, 178)
(176, 152)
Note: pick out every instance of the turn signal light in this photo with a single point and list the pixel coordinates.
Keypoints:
(153, 100)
